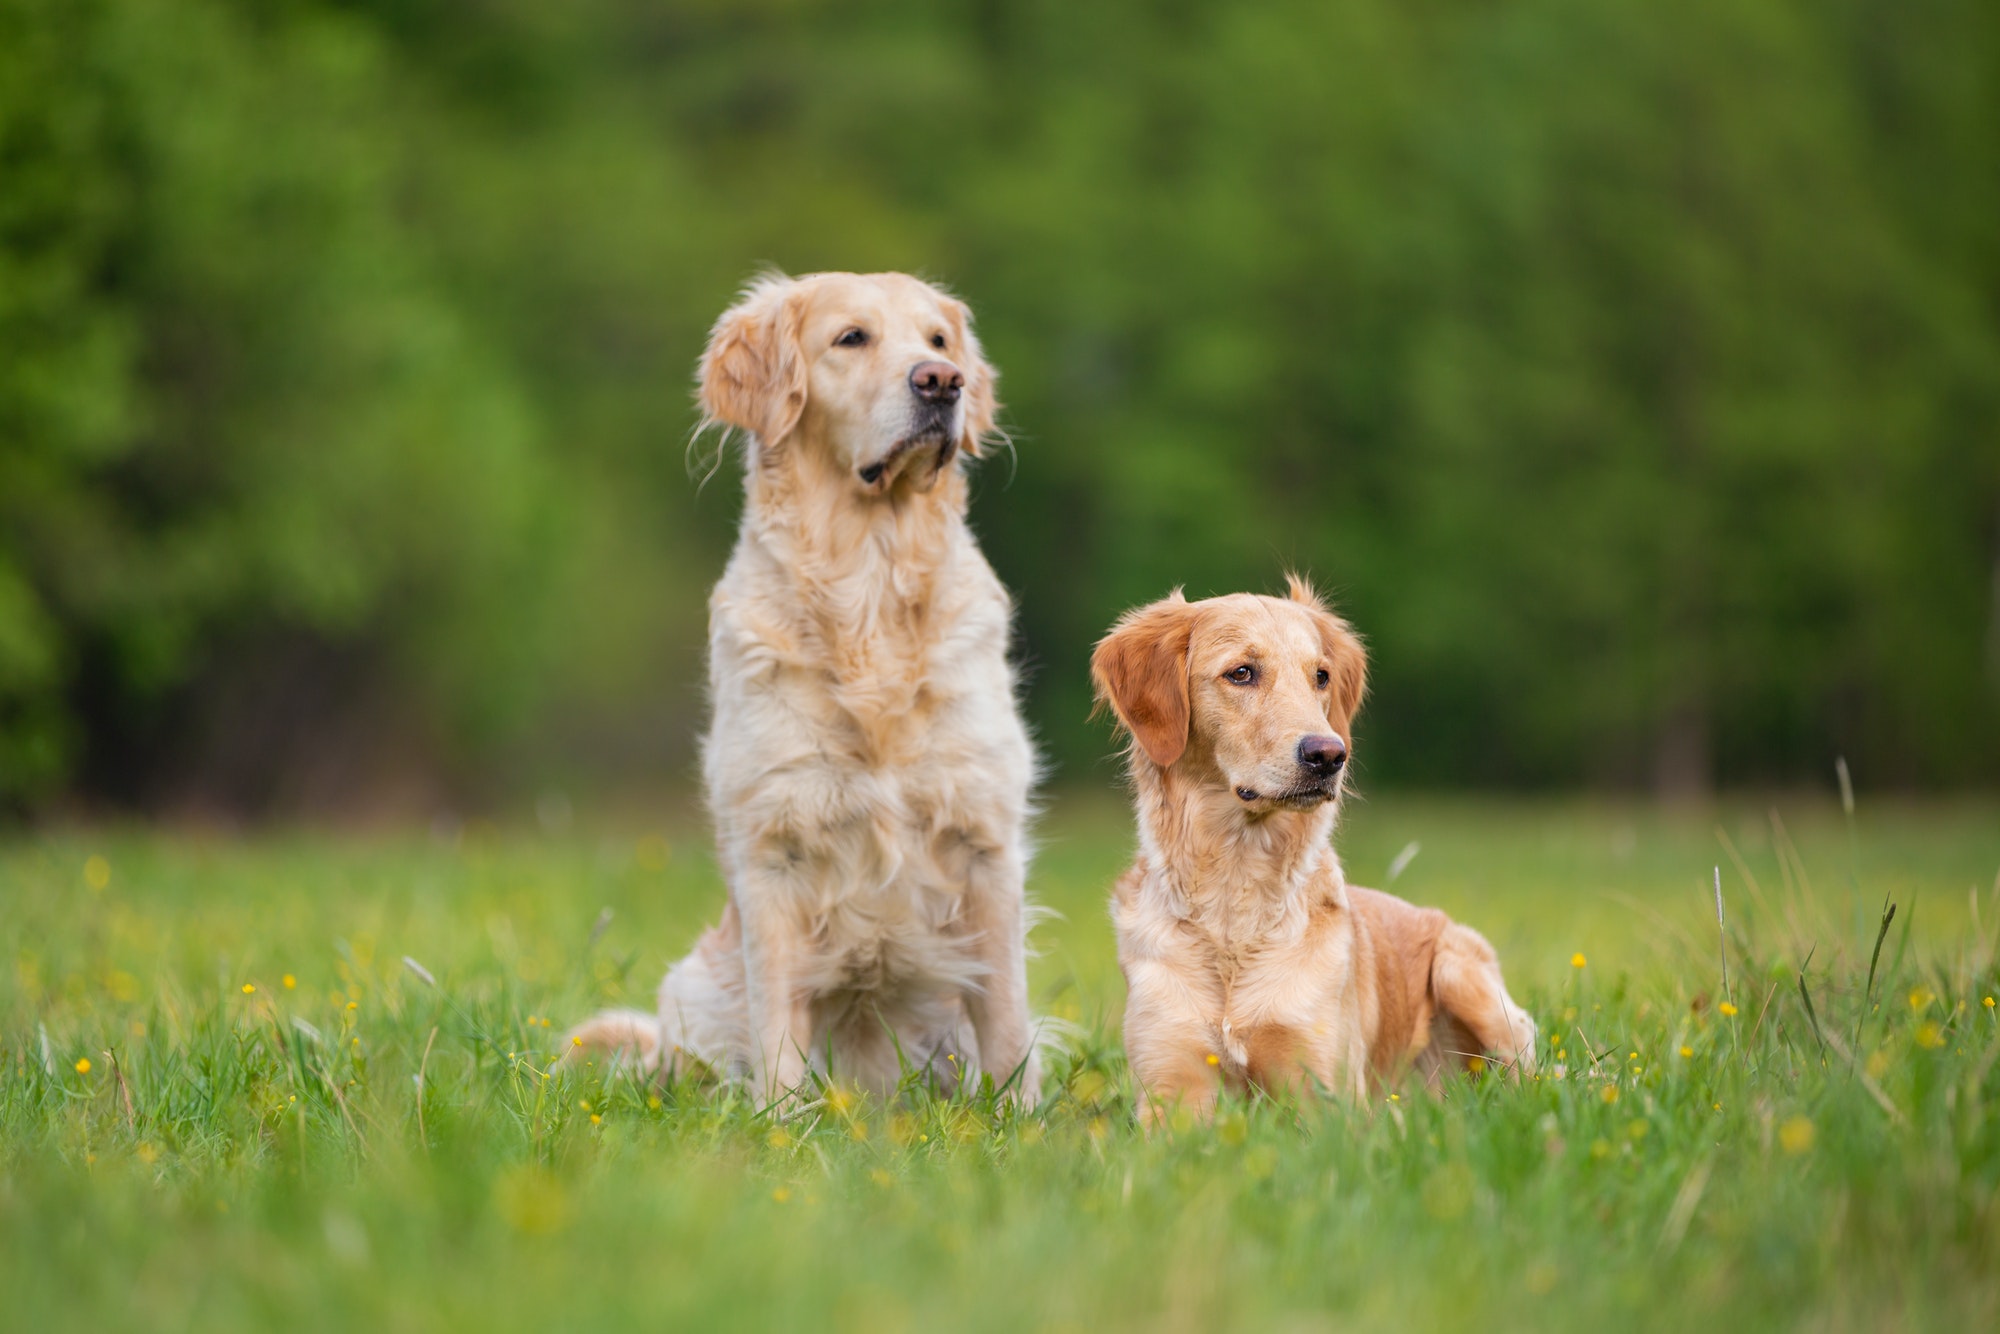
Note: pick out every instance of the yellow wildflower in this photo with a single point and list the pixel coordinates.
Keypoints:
(781, 1195)
(249, 988)
(576, 1040)
(1728, 1010)
(1988, 1002)
(1576, 960)
(651, 853)
(1920, 997)
(1213, 1059)
(1686, 1052)
(83, 1065)
(595, 1118)
(291, 983)
(1796, 1135)
(1610, 1094)
(1930, 1037)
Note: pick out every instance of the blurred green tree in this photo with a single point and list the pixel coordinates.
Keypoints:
(1633, 378)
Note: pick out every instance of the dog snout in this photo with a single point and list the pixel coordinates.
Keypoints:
(937, 382)
(1322, 756)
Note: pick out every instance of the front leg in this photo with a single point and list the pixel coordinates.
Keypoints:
(1170, 1044)
(995, 920)
(779, 1009)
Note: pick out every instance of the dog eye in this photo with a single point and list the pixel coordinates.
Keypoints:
(852, 338)
(1324, 678)
(937, 341)
(1243, 675)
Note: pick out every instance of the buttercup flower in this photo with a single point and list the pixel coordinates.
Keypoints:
(1576, 960)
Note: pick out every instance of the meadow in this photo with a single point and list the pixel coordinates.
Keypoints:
(304, 1080)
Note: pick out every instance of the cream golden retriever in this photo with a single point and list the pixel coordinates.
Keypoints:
(866, 767)
(1249, 960)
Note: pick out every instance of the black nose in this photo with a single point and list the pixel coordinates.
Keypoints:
(1322, 756)
(936, 381)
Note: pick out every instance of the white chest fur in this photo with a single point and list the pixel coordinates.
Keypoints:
(866, 762)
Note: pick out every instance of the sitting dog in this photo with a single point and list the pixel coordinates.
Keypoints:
(866, 766)
(1248, 958)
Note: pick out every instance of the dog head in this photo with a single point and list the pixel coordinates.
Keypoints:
(1258, 692)
(879, 375)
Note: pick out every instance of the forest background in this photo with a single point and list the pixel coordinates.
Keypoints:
(1630, 374)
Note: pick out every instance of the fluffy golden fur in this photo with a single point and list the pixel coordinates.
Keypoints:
(1248, 958)
(866, 767)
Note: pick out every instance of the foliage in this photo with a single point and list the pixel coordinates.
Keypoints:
(1631, 374)
(318, 1135)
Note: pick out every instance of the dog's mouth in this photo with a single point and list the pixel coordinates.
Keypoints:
(933, 434)
(1298, 798)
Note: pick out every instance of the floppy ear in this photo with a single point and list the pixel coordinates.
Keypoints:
(1140, 670)
(753, 375)
(1347, 661)
(982, 405)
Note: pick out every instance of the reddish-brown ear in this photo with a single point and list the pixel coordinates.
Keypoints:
(753, 375)
(982, 404)
(1347, 661)
(1140, 670)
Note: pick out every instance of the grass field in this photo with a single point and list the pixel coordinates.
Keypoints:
(227, 1103)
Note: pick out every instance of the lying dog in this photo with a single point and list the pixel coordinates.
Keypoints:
(866, 767)
(1248, 959)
